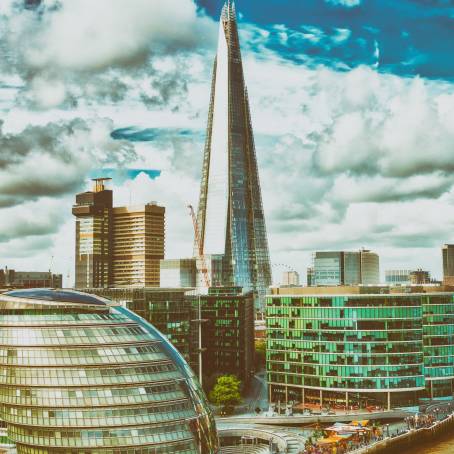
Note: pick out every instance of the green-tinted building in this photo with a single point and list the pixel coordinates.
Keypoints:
(356, 348)
(438, 336)
(227, 332)
(227, 325)
(81, 374)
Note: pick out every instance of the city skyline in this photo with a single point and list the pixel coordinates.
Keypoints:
(304, 68)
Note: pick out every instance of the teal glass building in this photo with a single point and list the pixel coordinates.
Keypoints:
(80, 374)
(388, 349)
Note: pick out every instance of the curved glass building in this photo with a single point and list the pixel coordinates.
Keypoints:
(360, 348)
(80, 374)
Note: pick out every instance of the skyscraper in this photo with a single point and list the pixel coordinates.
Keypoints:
(230, 215)
(138, 245)
(93, 212)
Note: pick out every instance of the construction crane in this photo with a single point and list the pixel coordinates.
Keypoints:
(198, 240)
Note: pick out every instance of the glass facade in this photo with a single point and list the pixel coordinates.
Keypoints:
(230, 216)
(438, 334)
(380, 346)
(93, 377)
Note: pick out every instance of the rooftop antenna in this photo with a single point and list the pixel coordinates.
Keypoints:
(99, 185)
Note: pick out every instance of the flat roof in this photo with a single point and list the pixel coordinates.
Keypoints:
(57, 296)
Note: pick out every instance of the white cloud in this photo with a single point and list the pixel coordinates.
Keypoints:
(346, 3)
(61, 58)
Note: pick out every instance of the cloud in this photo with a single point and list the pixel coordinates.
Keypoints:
(346, 3)
(54, 159)
(60, 58)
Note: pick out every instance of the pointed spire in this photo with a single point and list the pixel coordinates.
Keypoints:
(228, 11)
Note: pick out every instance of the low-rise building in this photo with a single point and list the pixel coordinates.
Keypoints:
(355, 345)
(178, 273)
(30, 279)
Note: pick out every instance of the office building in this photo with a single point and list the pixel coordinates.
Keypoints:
(359, 345)
(30, 279)
(227, 331)
(120, 246)
(407, 277)
(420, 277)
(369, 269)
(93, 212)
(345, 268)
(448, 264)
(178, 273)
(85, 375)
(138, 245)
(310, 276)
(168, 309)
(215, 271)
(397, 277)
(290, 278)
(230, 217)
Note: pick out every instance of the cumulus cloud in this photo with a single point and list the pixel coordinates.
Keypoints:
(60, 57)
(55, 159)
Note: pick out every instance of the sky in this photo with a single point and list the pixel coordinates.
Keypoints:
(352, 106)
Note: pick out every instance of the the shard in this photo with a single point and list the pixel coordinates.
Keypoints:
(230, 213)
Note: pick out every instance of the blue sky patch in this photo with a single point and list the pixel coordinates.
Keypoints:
(404, 37)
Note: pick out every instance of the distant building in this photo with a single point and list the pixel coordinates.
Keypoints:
(345, 268)
(117, 246)
(310, 276)
(448, 264)
(30, 279)
(216, 271)
(408, 277)
(178, 273)
(397, 277)
(370, 268)
(290, 278)
(420, 277)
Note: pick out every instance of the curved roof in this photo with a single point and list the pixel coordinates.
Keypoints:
(62, 296)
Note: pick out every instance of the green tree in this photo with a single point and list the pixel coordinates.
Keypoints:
(226, 392)
(260, 354)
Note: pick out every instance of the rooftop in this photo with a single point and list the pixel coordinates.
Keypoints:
(349, 290)
(55, 296)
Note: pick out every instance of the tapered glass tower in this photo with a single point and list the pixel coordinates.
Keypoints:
(230, 215)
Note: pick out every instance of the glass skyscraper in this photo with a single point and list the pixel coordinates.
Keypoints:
(81, 374)
(230, 215)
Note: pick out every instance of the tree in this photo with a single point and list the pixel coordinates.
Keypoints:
(226, 392)
(260, 354)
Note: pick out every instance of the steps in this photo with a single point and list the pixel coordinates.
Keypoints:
(245, 449)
